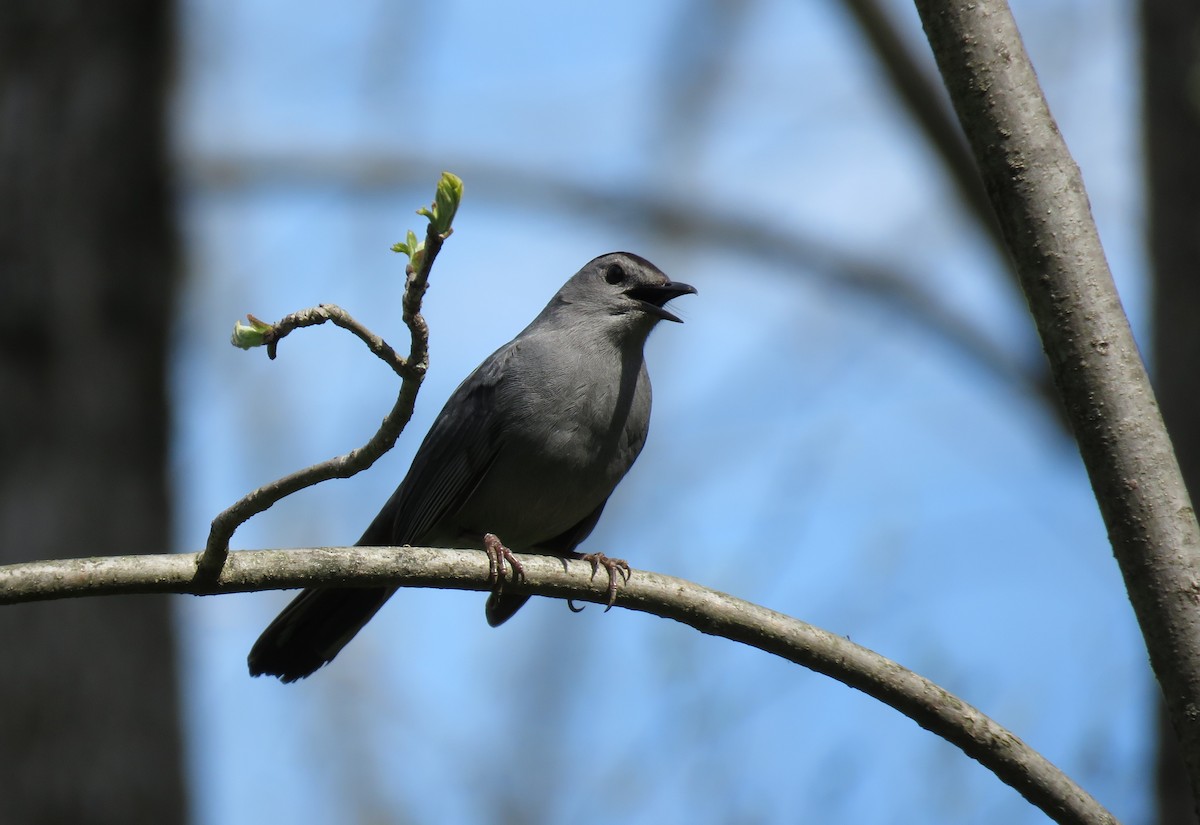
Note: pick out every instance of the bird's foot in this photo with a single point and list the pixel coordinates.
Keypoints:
(497, 555)
(615, 568)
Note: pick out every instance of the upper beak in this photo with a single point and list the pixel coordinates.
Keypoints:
(654, 297)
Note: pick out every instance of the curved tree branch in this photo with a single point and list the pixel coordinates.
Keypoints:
(411, 371)
(708, 611)
(1039, 195)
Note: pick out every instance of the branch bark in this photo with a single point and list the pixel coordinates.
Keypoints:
(1038, 194)
(708, 611)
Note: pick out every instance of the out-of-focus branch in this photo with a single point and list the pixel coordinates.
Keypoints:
(1171, 135)
(694, 223)
(925, 100)
(411, 371)
(1043, 208)
(694, 56)
(708, 611)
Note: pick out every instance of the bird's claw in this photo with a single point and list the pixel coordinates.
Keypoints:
(614, 567)
(497, 555)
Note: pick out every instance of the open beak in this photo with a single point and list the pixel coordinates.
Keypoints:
(654, 298)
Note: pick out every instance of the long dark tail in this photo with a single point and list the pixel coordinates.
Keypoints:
(313, 629)
(501, 607)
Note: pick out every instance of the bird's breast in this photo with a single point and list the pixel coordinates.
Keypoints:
(565, 441)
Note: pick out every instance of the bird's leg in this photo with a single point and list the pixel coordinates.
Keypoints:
(497, 554)
(613, 566)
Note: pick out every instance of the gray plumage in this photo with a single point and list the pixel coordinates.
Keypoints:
(529, 447)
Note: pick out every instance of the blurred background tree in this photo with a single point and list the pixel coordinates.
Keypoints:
(89, 264)
(1171, 106)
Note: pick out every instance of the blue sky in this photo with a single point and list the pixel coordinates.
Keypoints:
(811, 449)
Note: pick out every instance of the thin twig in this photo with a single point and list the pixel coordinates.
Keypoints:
(411, 371)
(339, 317)
(709, 611)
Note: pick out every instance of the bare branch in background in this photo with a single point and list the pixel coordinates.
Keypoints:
(1171, 134)
(697, 53)
(925, 101)
(692, 222)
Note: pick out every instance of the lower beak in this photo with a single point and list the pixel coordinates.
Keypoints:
(654, 298)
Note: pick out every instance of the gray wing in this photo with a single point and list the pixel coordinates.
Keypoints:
(453, 459)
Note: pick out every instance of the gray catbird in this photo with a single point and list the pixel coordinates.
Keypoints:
(527, 449)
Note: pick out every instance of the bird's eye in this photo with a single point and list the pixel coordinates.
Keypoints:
(614, 274)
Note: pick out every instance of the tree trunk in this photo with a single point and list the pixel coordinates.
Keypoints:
(89, 727)
(1170, 68)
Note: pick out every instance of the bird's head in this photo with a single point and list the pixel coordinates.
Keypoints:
(624, 286)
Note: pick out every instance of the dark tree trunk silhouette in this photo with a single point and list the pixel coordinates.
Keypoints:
(1170, 66)
(88, 262)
